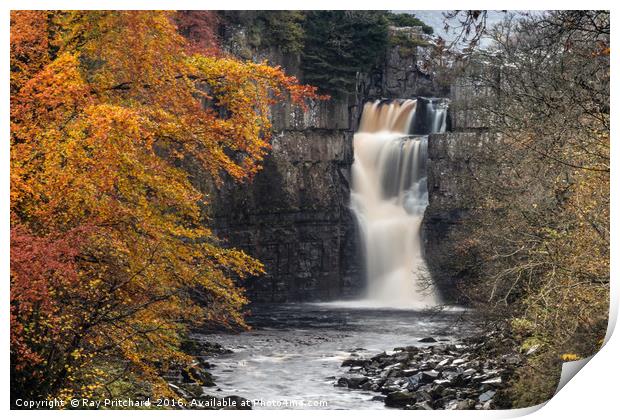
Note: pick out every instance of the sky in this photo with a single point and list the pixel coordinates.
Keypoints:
(435, 19)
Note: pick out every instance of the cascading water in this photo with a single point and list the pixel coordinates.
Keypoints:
(389, 196)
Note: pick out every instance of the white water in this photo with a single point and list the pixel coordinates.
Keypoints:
(389, 196)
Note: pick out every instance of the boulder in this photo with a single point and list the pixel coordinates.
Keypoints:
(195, 374)
(355, 382)
(400, 399)
(486, 396)
(354, 362)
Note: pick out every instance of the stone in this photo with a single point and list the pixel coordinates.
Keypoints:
(444, 362)
(429, 375)
(409, 349)
(400, 399)
(422, 378)
(354, 362)
(511, 359)
(413, 382)
(203, 348)
(422, 406)
(401, 356)
(187, 391)
(427, 340)
(195, 374)
(467, 404)
(356, 381)
(342, 382)
(442, 382)
(469, 372)
(486, 396)
(459, 376)
(532, 350)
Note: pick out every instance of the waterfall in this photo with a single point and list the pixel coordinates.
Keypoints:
(389, 196)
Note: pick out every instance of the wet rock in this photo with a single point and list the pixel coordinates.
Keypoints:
(356, 381)
(444, 362)
(442, 382)
(452, 376)
(413, 382)
(512, 359)
(425, 377)
(354, 362)
(427, 340)
(469, 372)
(409, 349)
(186, 391)
(423, 396)
(342, 382)
(467, 404)
(421, 406)
(486, 396)
(429, 376)
(457, 376)
(203, 348)
(532, 350)
(494, 381)
(195, 374)
(401, 356)
(400, 399)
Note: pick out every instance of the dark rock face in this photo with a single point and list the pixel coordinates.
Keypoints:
(294, 217)
(454, 160)
(404, 74)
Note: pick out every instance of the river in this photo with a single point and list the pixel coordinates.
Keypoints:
(294, 352)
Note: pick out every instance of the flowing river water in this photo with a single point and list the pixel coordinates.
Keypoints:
(294, 352)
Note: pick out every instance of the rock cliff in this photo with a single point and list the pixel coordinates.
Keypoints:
(294, 216)
(455, 159)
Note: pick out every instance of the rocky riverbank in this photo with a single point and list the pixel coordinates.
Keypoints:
(190, 384)
(469, 374)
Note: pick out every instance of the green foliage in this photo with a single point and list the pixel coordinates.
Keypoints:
(407, 44)
(402, 20)
(266, 28)
(536, 382)
(334, 45)
(339, 44)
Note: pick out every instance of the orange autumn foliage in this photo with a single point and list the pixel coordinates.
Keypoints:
(111, 257)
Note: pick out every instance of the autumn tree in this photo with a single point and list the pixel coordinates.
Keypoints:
(109, 241)
(543, 90)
